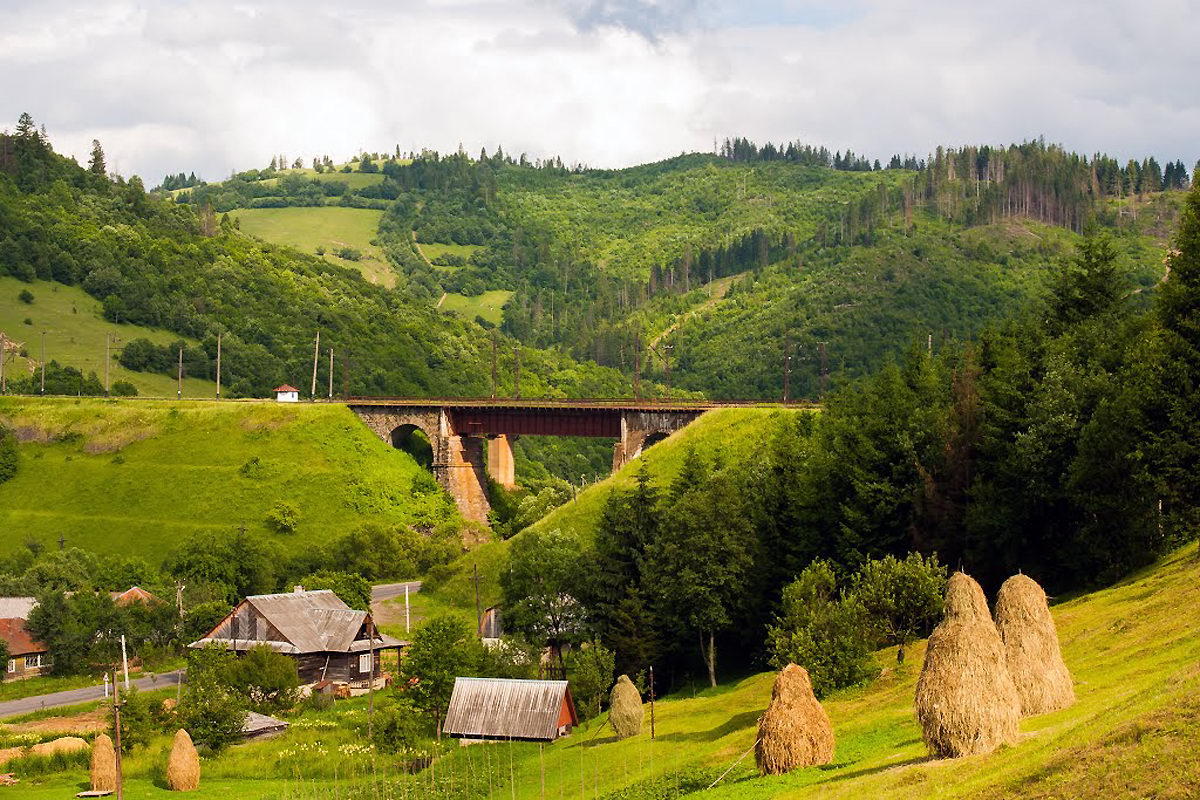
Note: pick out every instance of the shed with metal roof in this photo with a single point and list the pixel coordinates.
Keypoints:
(507, 709)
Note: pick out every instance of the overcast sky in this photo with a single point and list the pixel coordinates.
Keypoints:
(221, 85)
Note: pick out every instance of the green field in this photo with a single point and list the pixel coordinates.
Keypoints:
(75, 336)
(432, 250)
(330, 227)
(489, 305)
(134, 476)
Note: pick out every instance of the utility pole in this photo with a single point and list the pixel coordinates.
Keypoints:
(371, 681)
(331, 373)
(43, 388)
(787, 369)
(494, 375)
(407, 618)
(667, 366)
(179, 377)
(637, 368)
(218, 366)
(316, 354)
(929, 345)
(517, 372)
(652, 701)
(3, 355)
(107, 359)
(824, 369)
(117, 732)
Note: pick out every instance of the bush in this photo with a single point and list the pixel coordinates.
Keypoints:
(349, 253)
(283, 518)
(9, 458)
(138, 725)
(269, 680)
(26, 297)
(590, 669)
(902, 599)
(124, 389)
(209, 710)
(203, 618)
(828, 635)
(399, 725)
(354, 590)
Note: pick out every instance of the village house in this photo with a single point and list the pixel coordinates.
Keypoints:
(26, 656)
(287, 394)
(505, 709)
(331, 642)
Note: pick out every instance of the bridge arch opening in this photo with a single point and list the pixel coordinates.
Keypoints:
(415, 442)
(652, 439)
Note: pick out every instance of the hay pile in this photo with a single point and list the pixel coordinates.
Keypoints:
(966, 701)
(795, 730)
(1035, 661)
(183, 767)
(66, 744)
(625, 709)
(104, 764)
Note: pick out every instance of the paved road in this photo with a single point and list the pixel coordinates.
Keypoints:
(26, 705)
(386, 591)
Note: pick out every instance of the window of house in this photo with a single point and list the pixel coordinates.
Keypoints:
(34, 661)
(364, 663)
(12, 665)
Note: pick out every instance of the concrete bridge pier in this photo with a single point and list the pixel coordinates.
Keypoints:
(500, 465)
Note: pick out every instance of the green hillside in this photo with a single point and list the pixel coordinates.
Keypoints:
(329, 228)
(75, 335)
(489, 305)
(134, 476)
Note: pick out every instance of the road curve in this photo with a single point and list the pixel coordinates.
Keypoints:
(27, 705)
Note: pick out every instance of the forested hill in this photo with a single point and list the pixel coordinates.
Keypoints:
(742, 257)
(159, 264)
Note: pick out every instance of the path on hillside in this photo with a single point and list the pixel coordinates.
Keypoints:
(716, 293)
(27, 705)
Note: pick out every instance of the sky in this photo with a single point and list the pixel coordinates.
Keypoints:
(216, 86)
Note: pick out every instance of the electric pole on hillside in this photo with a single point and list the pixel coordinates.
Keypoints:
(3, 355)
(312, 395)
(117, 733)
(107, 359)
(824, 369)
(331, 373)
(179, 377)
(517, 372)
(42, 390)
(787, 369)
(495, 380)
(637, 367)
(218, 366)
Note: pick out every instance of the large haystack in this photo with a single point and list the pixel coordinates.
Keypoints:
(966, 701)
(104, 764)
(625, 708)
(183, 767)
(1035, 661)
(795, 730)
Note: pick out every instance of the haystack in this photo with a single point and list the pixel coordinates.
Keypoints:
(64, 744)
(966, 701)
(104, 764)
(795, 730)
(1035, 660)
(625, 709)
(183, 767)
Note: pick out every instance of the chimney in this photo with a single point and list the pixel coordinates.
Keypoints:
(297, 589)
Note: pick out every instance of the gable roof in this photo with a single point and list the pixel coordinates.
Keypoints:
(504, 708)
(285, 388)
(16, 607)
(14, 633)
(134, 594)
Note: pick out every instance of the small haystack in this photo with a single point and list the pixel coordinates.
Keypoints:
(966, 701)
(794, 731)
(625, 708)
(183, 767)
(64, 744)
(104, 764)
(1035, 661)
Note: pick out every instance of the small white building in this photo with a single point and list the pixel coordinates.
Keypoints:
(287, 394)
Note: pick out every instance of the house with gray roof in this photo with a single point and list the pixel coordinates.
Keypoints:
(506, 709)
(330, 641)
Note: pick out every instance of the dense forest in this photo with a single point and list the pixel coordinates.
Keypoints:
(1064, 443)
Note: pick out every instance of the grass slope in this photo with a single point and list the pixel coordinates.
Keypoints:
(489, 305)
(75, 329)
(331, 227)
(1134, 731)
(135, 476)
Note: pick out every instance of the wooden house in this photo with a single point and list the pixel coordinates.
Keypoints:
(27, 657)
(329, 640)
(502, 709)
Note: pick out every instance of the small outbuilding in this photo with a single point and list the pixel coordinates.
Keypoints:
(132, 595)
(27, 657)
(287, 394)
(503, 709)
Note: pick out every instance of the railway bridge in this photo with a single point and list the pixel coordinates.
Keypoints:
(472, 439)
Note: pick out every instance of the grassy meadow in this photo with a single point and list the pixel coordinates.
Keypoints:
(75, 333)
(432, 250)
(134, 476)
(330, 227)
(489, 305)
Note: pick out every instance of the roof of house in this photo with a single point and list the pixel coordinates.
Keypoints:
(309, 622)
(503, 708)
(258, 724)
(286, 388)
(18, 607)
(134, 594)
(14, 633)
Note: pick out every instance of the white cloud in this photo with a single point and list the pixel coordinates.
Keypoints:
(218, 85)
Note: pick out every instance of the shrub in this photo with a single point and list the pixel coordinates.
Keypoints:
(283, 518)
(137, 722)
(902, 599)
(8, 454)
(203, 618)
(590, 669)
(123, 389)
(26, 297)
(354, 590)
(398, 725)
(269, 680)
(349, 253)
(212, 712)
(826, 634)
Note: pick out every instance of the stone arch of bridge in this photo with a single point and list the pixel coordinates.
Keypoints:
(416, 441)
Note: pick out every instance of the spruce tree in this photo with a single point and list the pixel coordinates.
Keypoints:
(96, 164)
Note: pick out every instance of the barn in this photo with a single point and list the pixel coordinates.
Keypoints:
(503, 709)
(328, 639)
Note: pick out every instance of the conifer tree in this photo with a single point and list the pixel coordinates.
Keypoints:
(96, 164)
